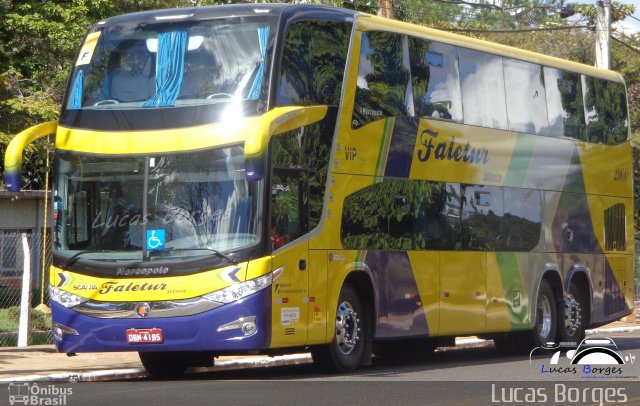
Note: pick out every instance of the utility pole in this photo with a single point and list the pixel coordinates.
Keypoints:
(603, 36)
(387, 9)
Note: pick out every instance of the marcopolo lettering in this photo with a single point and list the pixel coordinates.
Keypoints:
(160, 270)
(450, 150)
(130, 287)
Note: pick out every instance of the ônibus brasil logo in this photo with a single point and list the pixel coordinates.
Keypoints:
(32, 394)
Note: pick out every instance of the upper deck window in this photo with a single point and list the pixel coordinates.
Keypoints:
(383, 79)
(526, 99)
(435, 79)
(605, 105)
(199, 67)
(482, 84)
(564, 103)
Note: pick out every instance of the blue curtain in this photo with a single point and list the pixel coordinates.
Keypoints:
(106, 86)
(76, 91)
(254, 93)
(169, 68)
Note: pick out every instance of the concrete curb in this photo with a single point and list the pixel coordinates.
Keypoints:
(95, 376)
(613, 330)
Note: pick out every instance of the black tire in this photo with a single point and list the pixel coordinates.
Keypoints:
(345, 351)
(546, 321)
(165, 364)
(573, 317)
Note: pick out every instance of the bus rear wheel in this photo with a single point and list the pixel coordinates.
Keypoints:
(573, 316)
(165, 364)
(544, 330)
(345, 352)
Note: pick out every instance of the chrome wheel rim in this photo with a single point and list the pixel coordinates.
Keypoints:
(545, 317)
(347, 328)
(572, 315)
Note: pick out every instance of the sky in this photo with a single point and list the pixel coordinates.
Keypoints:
(631, 25)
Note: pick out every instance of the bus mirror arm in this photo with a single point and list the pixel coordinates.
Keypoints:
(275, 122)
(15, 150)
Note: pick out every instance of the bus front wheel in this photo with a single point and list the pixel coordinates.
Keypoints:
(345, 352)
(165, 364)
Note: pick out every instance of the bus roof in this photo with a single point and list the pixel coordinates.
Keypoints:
(233, 10)
(365, 22)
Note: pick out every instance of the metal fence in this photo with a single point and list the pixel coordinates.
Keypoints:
(15, 247)
(637, 272)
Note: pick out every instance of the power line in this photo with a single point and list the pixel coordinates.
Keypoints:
(626, 45)
(469, 16)
(566, 27)
(632, 16)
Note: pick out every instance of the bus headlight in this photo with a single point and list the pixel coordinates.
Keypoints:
(244, 289)
(64, 298)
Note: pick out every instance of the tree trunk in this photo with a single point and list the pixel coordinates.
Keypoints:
(386, 9)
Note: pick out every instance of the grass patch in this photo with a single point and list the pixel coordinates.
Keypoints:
(9, 324)
(35, 338)
(10, 319)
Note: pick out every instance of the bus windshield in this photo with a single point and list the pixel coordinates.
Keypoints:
(146, 66)
(157, 207)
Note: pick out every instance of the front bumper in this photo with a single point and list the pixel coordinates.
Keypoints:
(197, 332)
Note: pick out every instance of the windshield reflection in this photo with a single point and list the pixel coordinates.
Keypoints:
(171, 206)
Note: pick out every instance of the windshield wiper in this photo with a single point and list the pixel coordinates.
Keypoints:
(78, 254)
(213, 251)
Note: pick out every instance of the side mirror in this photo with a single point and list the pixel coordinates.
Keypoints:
(274, 122)
(15, 150)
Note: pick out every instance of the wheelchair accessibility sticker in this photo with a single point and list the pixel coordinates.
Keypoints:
(155, 240)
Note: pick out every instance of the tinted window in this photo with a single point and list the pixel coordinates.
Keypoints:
(427, 215)
(379, 217)
(605, 105)
(383, 79)
(526, 100)
(437, 206)
(564, 103)
(313, 61)
(482, 84)
(435, 79)
(482, 214)
(522, 219)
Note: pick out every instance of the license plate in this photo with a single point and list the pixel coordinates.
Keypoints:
(144, 336)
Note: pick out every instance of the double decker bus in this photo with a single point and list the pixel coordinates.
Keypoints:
(276, 178)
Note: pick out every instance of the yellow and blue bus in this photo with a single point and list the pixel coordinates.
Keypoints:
(269, 178)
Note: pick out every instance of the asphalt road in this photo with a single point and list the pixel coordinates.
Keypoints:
(478, 376)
